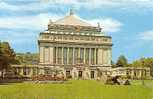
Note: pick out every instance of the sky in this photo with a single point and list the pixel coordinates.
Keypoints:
(129, 22)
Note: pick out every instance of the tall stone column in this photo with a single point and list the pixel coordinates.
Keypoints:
(56, 55)
(89, 55)
(79, 55)
(67, 55)
(73, 55)
(62, 55)
(84, 56)
(95, 58)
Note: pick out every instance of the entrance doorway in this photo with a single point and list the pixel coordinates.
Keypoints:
(68, 74)
(92, 74)
(80, 74)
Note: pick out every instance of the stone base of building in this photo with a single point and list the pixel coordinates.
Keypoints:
(70, 72)
(81, 72)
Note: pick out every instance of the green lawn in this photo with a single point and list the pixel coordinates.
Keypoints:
(79, 89)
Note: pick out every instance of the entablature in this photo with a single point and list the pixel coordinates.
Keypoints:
(104, 47)
(75, 39)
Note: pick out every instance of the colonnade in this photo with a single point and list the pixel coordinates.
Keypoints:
(74, 55)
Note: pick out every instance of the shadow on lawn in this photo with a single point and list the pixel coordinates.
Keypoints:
(10, 81)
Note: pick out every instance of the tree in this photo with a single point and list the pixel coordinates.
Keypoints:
(122, 61)
(7, 56)
(27, 58)
(137, 63)
(143, 62)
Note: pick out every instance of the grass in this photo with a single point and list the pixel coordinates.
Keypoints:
(76, 89)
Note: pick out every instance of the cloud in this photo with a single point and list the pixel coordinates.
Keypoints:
(98, 3)
(26, 7)
(22, 31)
(107, 24)
(40, 22)
(90, 4)
(146, 35)
(78, 4)
(37, 22)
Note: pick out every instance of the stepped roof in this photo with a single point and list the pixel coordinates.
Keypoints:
(72, 19)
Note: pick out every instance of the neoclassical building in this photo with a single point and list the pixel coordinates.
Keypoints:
(75, 46)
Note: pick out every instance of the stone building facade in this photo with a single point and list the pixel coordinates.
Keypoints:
(76, 49)
(74, 46)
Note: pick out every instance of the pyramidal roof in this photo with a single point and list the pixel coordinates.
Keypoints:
(72, 19)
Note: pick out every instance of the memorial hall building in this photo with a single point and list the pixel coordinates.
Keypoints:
(75, 46)
(75, 49)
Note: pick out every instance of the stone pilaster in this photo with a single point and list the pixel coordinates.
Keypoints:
(109, 56)
(41, 54)
(100, 56)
